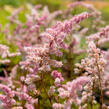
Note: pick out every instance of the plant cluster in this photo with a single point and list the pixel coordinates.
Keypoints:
(54, 71)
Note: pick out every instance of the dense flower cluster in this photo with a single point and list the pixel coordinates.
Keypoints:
(4, 52)
(47, 74)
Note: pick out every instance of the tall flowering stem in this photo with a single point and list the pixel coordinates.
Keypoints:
(42, 81)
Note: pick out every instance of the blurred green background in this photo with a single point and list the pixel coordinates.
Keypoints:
(102, 5)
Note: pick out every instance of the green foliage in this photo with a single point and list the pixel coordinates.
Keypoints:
(52, 4)
(105, 14)
(11, 2)
(3, 16)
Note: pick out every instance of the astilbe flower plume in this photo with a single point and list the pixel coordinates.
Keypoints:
(4, 53)
(95, 64)
(69, 91)
(96, 14)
